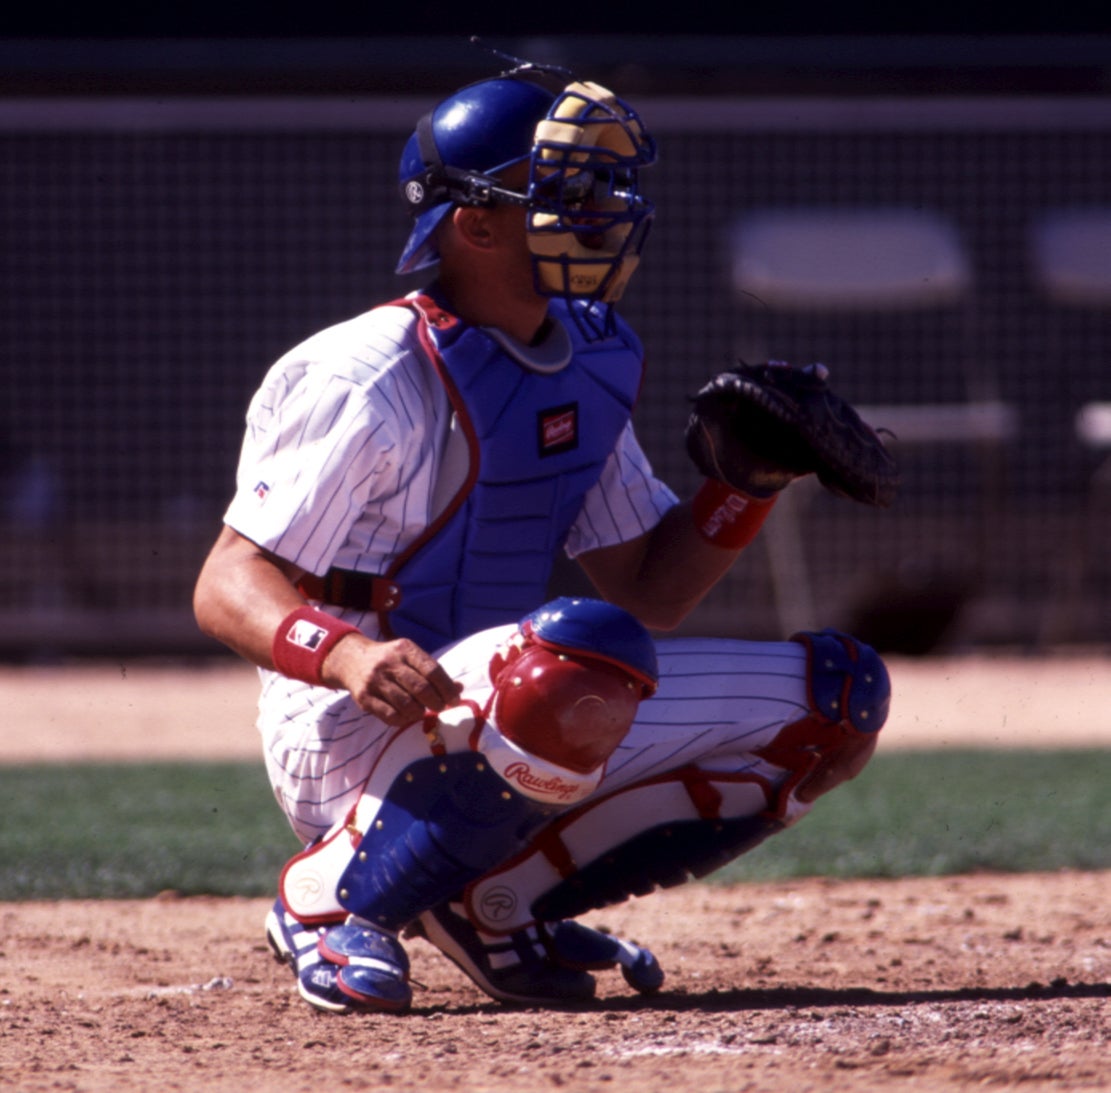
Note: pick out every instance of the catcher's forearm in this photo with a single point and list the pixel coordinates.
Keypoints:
(242, 596)
(683, 563)
(664, 574)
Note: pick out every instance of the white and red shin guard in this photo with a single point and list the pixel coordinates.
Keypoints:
(663, 831)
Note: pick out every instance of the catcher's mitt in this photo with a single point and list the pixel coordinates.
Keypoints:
(758, 427)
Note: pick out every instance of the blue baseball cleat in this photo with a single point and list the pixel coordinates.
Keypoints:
(542, 965)
(513, 968)
(372, 967)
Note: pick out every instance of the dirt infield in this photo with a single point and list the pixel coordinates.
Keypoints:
(996, 982)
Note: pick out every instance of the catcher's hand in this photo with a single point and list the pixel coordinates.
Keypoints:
(759, 427)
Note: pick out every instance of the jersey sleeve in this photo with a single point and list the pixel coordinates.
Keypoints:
(325, 437)
(626, 501)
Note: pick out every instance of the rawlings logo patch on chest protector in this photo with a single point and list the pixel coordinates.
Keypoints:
(558, 429)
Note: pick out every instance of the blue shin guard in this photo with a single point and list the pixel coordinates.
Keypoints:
(443, 823)
(661, 857)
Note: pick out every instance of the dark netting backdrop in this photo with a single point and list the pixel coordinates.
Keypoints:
(154, 265)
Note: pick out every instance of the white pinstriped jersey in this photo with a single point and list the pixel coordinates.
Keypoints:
(346, 440)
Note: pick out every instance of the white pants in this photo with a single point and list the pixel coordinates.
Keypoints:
(718, 701)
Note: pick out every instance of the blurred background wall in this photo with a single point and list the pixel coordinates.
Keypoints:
(928, 216)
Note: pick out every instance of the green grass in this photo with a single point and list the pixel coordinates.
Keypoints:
(102, 831)
(132, 831)
(943, 812)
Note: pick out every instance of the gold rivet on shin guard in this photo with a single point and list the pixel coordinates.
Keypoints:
(343, 893)
(362, 855)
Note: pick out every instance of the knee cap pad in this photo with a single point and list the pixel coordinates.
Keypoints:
(568, 687)
(849, 693)
(848, 680)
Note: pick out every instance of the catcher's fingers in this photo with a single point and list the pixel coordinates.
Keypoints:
(424, 678)
(392, 705)
(411, 693)
(397, 681)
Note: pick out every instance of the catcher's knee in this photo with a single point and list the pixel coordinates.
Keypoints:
(568, 688)
(849, 694)
(847, 680)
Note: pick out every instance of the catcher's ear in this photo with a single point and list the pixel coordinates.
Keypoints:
(473, 227)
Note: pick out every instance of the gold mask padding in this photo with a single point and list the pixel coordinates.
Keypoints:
(571, 122)
(588, 125)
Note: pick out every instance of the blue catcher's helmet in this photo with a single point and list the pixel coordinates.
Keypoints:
(595, 630)
(586, 219)
(459, 147)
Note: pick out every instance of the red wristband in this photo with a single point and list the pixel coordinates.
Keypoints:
(302, 641)
(726, 517)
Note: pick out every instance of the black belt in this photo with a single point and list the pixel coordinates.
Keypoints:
(348, 588)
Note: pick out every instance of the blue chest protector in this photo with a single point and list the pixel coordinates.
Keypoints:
(537, 442)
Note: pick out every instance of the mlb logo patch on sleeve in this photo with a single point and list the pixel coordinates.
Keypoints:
(558, 429)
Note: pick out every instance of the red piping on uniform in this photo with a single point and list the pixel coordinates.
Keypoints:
(429, 314)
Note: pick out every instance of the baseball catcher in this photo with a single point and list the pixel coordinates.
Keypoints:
(584, 763)
(459, 764)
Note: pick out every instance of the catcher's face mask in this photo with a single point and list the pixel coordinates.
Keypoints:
(587, 220)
